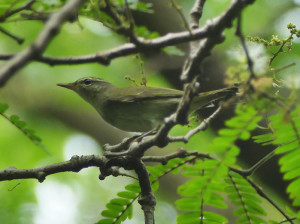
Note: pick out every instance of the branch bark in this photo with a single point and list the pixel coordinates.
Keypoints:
(211, 32)
(67, 13)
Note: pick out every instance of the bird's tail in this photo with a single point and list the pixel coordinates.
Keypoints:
(212, 98)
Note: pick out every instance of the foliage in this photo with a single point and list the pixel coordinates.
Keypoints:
(285, 127)
(21, 125)
(242, 194)
(119, 209)
(207, 186)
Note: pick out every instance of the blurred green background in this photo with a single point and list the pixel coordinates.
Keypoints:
(69, 126)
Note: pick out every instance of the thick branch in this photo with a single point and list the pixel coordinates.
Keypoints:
(75, 164)
(147, 200)
(216, 26)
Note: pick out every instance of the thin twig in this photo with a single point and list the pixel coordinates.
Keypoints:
(241, 199)
(129, 16)
(283, 67)
(9, 13)
(280, 49)
(201, 127)
(265, 196)
(14, 37)
(179, 10)
(251, 170)
(131, 33)
(239, 33)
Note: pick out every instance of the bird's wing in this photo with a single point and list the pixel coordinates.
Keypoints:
(134, 94)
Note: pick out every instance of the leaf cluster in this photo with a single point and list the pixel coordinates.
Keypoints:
(21, 125)
(285, 127)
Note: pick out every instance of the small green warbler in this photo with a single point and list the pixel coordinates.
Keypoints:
(138, 109)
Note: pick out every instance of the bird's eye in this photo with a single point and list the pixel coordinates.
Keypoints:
(87, 81)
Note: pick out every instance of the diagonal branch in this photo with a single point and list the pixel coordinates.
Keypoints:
(14, 37)
(196, 13)
(239, 33)
(67, 13)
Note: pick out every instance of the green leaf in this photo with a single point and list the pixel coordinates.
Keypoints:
(245, 135)
(155, 171)
(105, 221)
(133, 188)
(188, 218)
(35, 138)
(263, 138)
(292, 174)
(292, 163)
(287, 147)
(127, 194)
(119, 201)
(129, 212)
(143, 31)
(257, 219)
(14, 118)
(189, 204)
(110, 213)
(213, 217)
(20, 124)
(3, 108)
(28, 131)
(155, 186)
(234, 123)
(239, 211)
(229, 132)
(115, 207)
(144, 7)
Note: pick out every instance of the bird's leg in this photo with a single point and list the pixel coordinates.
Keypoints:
(121, 146)
(148, 133)
(121, 149)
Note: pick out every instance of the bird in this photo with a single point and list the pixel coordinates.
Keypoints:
(139, 108)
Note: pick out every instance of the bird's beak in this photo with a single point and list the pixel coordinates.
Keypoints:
(68, 86)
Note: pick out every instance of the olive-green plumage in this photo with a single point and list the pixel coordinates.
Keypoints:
(138, 109)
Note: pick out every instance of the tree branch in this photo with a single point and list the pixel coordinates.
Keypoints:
(9, 13)
(202, 49)
(211, 29)
(239, 33)
(201, 127)
(196, 13)
(75, 164)
(178, 8)
(51, 29)
(14, 37)
(260, 192)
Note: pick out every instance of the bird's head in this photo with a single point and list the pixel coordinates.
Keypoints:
(88, 88)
